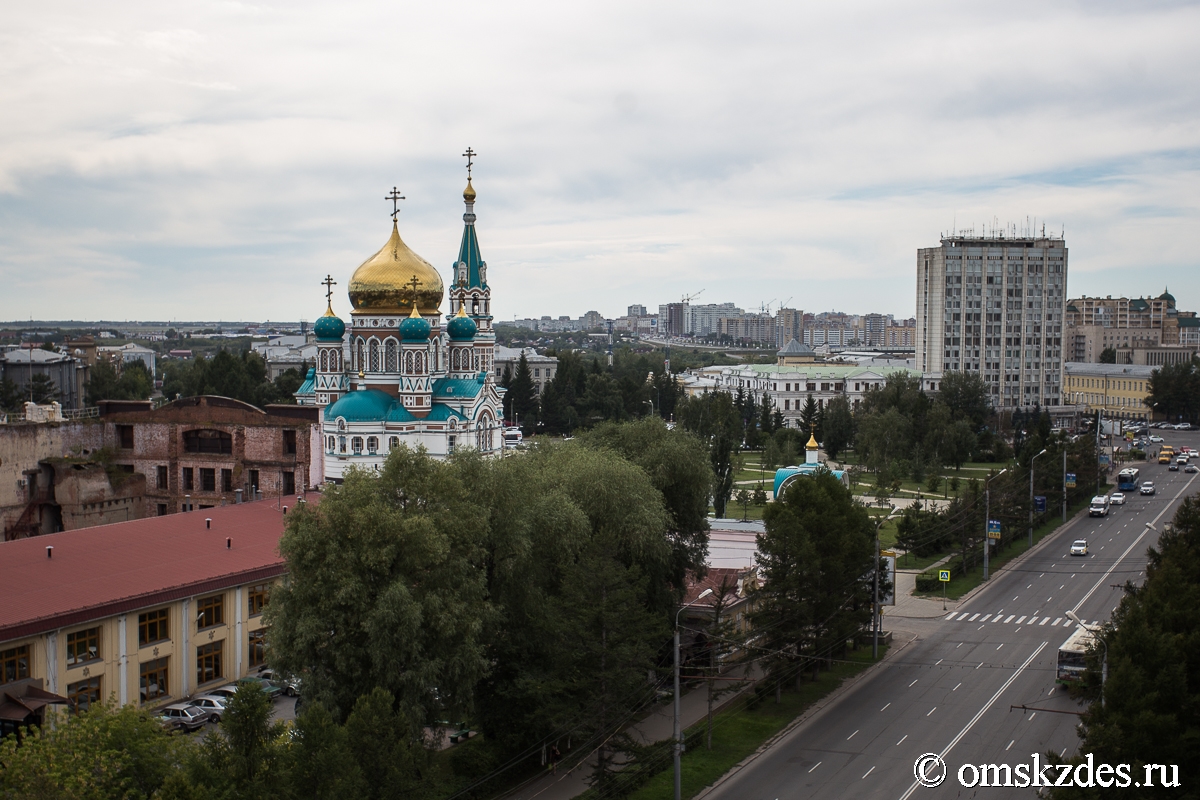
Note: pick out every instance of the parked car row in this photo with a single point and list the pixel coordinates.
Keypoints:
(195, 713)
(1179, 426)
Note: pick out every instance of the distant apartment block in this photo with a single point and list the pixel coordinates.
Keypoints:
(1142, 330)
(542, 369)
(995, 306)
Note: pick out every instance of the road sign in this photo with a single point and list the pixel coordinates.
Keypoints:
(1070, 480)
(1104, 459)
(993, 529)
(944, 575)
(1039, 504)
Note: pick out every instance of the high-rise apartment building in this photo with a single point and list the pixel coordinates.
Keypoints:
(994, 306)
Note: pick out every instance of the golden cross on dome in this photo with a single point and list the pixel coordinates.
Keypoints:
(470, 156)
(395, 197)
(329, 283)
(415, 282)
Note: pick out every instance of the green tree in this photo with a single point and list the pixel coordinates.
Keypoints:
(722, 458)
(1108, 356)
(387, 589)
(243, 762)
(11, 397)
(966, 395)
(1147, 711)
(838, 427)
(818, 546)
(42, 389)
(105, 752)
(521, 398)
(386, 748)
(808, 417)
(320, 762)
(1174, 391)
(134, 382)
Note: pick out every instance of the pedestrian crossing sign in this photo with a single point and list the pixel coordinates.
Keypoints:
(944, 575)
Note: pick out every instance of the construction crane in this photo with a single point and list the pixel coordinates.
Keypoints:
(765, 308)
(687, 298)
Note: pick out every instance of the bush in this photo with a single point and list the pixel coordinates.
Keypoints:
(928, 581)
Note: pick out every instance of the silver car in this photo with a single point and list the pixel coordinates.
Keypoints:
(180, 716)
(213, 705)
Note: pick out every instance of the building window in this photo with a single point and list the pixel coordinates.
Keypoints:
(393, 442)
(332, 443)
(208, 479)
(212, 611)
(356, 444)
(257, 598)
(209, 662)
(83, 646)
(162, 509)
(226, 480)
(208, 441)
(161, 477)
(153, 682)
(125, 436)
(188, 479)
(372, 445)
(14, 664)
(258, 647)
(254, 480)
(289, 483)
(341, 444)
(152, 627)
(450, 444)
(289, 443)
(81, 695)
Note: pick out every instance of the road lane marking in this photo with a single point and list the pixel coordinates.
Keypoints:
(980, 665)
(979, 628)
(960, 644)
(985, 619)
(913, 683)
(1030, 586)
(814, 766)
(1010, 744)
(1015, 598)
(1062, 587)
(955, 689)
(1043, 622)
(973, 618)
(885, 708)
(1022, 619)
(851, 736)
(951, 615)
(1000, 645)
(872, 769)
(1068, 624)
(902, 738)
(963, 616)
(939, 661)
(1031, 716)
(980, 714)
(1009, 618)
(932, 710)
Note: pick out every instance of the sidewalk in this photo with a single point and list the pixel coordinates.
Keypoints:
(655, 727)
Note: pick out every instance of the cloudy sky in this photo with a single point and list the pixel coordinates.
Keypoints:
(214, 160)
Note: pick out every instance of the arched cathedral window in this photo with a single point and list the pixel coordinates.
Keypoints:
(324, 361)
(374, 355)
(390, 354)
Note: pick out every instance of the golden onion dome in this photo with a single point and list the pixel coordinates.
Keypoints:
(812, 442)
(384, 283)
(469, 192)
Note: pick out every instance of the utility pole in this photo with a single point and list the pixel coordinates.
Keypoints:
(1031, 496)
(987, 514)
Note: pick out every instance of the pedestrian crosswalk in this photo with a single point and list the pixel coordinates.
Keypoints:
(1004, 619)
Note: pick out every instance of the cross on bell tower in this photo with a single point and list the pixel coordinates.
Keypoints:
(395, 197)
(470, 156)
(329, 283)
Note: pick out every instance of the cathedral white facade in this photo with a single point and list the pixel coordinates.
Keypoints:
(399, 374)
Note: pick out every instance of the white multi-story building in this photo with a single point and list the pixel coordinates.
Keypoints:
(995, 306)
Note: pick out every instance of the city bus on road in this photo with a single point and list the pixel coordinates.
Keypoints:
(1127, 479)
(1072, 657)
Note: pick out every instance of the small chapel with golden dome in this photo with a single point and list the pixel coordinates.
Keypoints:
(399, 374)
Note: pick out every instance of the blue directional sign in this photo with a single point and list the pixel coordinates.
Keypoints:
(993, 529)
(1070, 480)
(1039, 504)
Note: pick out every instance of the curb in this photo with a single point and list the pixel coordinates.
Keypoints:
(810, 712)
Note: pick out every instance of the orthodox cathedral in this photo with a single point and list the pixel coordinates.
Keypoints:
(399, 374)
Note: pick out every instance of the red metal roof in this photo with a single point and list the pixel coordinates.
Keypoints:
(110, 569)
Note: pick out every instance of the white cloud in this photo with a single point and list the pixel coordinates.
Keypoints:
(215, 160)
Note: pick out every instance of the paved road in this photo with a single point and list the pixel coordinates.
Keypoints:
(948, 692)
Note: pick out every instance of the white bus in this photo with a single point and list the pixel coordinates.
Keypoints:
(1072, 656)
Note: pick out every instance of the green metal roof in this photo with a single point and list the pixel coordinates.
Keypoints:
(456, 388)
(368, 405)
(468, 252)
(817, 369)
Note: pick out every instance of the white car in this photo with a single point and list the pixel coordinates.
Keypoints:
(1117, 498)
(1156, 439)
(1147, 487)
(1079, 547)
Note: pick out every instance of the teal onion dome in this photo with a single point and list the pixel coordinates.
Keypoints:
(329, 328)
(461, 327)
(415, 328)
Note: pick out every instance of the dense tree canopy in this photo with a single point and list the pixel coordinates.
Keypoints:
(241, 376)
(1175, 391)
(134, 383)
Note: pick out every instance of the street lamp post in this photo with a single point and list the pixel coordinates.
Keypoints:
(678, 734)
(1031, 496)
(987, 513)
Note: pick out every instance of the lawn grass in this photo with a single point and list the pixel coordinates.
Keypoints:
(740, 731)
(963, 582)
